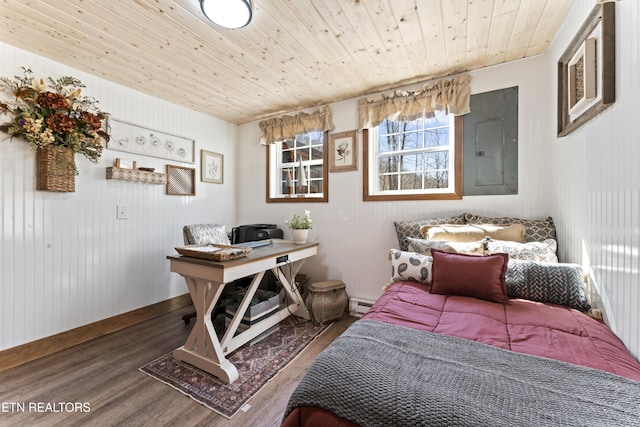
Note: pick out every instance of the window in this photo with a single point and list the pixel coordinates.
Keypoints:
(297, 169)
(414, 160)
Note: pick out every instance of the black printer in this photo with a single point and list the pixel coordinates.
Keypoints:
(253, 232)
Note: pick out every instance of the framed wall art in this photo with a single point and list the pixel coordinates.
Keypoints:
(124, 163)
(211, 167)
(136, 139)
(181, 181)
(587, 70)
(343, 151)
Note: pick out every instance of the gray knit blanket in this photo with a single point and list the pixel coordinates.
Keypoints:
(377, 374)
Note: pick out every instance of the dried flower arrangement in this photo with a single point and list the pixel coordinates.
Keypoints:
(53, 114)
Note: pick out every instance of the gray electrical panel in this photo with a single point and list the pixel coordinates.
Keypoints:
(490, 153)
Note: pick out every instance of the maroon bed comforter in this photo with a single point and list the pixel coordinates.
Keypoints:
(524, 326)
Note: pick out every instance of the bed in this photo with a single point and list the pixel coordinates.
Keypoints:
(473, 332)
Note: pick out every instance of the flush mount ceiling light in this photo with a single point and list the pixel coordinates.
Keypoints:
(227, 13)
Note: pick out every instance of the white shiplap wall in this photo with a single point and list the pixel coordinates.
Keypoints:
(65, 261)
(595, 196)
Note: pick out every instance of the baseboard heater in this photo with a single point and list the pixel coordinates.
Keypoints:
(358, 307)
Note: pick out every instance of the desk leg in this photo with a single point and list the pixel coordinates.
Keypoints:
(202, 348)
(237, 318)
(289, 286)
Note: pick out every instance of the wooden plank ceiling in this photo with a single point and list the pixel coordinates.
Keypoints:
(294, 54)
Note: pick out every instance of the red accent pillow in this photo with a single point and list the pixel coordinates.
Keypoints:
(479, 277)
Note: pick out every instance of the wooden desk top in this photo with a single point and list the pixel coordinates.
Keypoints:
(279, 247)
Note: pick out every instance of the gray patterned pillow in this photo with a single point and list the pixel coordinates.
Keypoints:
(536, 230)
(560, 284)
(406, 229)
(410, 266)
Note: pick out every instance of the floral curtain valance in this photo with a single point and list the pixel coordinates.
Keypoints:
(451, 96)
(287, 127)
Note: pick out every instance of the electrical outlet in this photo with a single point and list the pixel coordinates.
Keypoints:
(282, 258)
(121, 212)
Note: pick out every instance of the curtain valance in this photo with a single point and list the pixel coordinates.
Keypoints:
(451, 96)
(287, 127)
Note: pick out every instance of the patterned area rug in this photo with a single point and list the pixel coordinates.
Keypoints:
(256, 365)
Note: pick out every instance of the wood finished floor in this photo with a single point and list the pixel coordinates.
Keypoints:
(104, 373)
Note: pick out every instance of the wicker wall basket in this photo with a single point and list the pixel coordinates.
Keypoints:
(56, 169)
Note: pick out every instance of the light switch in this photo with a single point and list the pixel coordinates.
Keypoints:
(121, 212)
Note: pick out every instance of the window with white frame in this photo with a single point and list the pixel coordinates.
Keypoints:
(297, 169)
(416, 159)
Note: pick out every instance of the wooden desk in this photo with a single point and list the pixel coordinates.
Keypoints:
(206, 280)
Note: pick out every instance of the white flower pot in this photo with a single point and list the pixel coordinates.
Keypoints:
(300, 236)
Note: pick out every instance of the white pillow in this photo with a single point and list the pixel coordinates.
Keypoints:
(424, 247)
(410, 266)
(544, 251)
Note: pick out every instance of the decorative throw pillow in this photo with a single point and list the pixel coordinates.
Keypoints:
(205, 233)
(452, 233)
(536, 230)
(410, 266)
(473, 232)
(481, 277)
(424, 247)
(561, 284)
(533, 251)
(405, 229)
(512, 232)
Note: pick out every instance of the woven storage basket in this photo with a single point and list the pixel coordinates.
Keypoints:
(56, 169)
(326, 300)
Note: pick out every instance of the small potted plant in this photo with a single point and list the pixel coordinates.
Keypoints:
(300, 226)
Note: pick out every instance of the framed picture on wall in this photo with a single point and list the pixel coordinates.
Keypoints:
(145, 141)
(343, 151)
(211, 167)
(587, 70)
(181, 181)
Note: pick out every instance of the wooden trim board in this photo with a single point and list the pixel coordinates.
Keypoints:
(24, 353)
